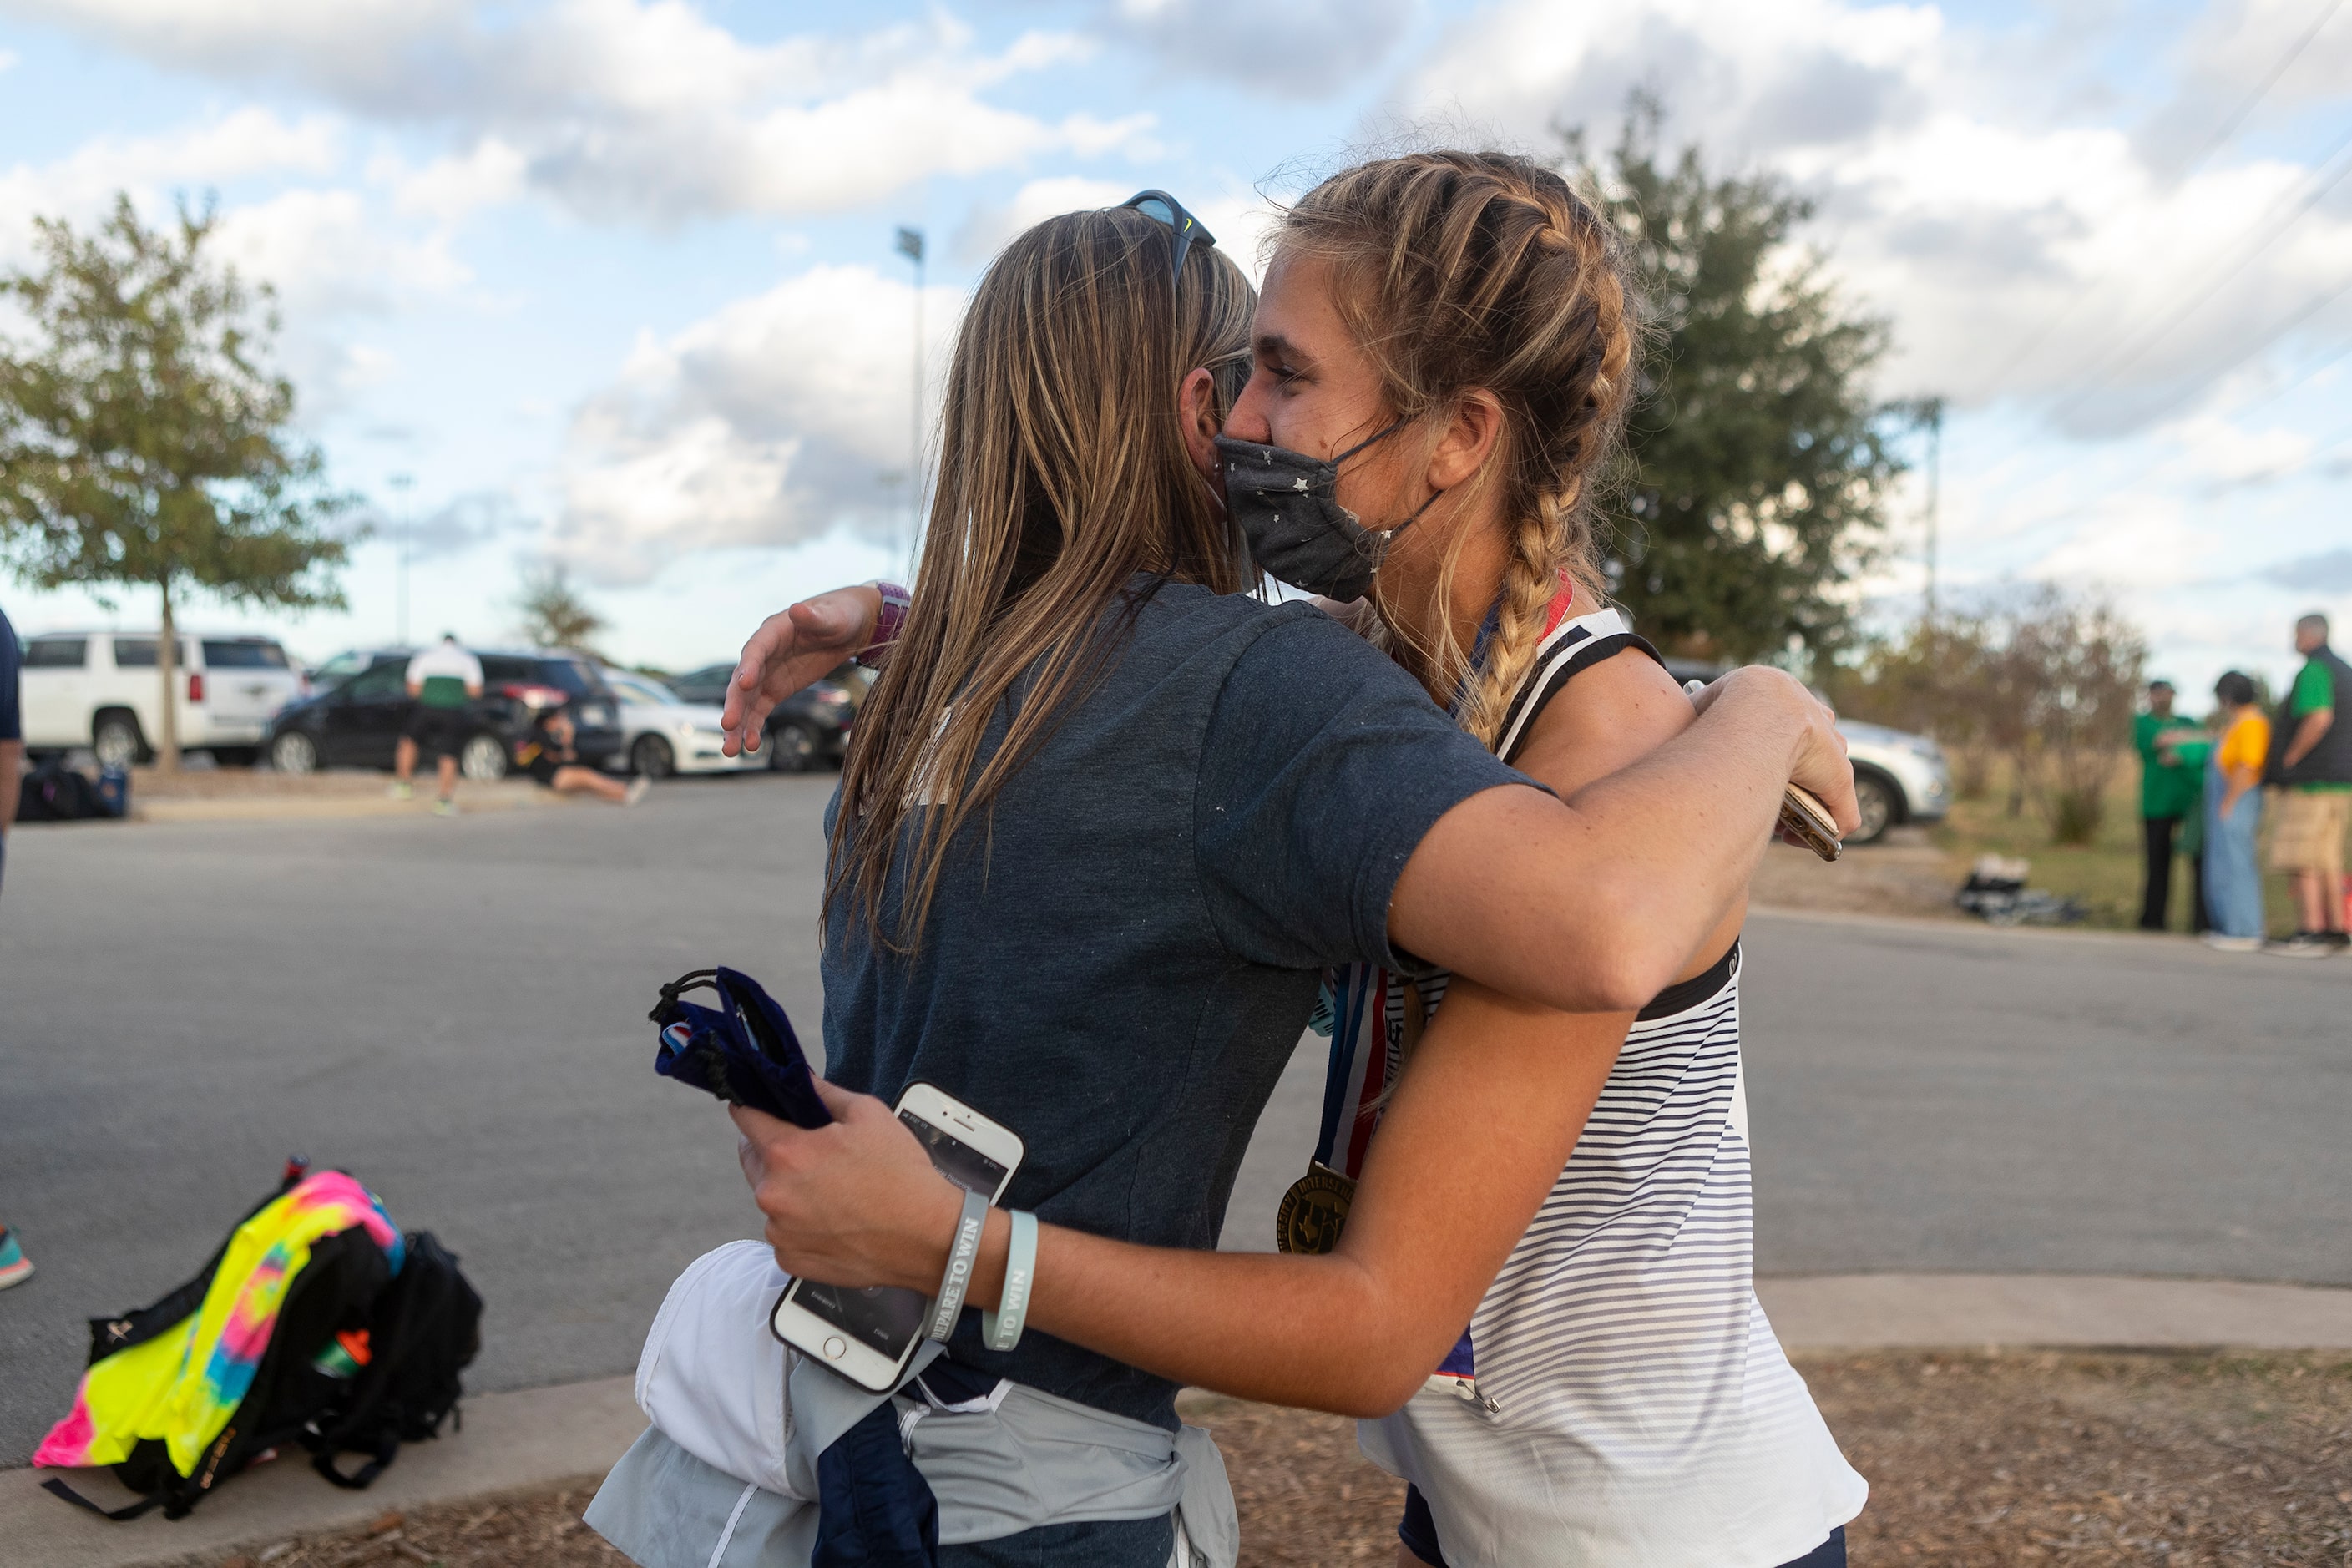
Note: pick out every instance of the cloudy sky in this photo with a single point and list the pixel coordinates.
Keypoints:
(611, 281)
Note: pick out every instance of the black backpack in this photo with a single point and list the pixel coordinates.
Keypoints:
(418, 1328)
(424, 1329)
(56, 793)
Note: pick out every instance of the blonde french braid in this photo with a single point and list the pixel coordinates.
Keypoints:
(1461, 273)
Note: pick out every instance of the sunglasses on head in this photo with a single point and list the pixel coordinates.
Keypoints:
(1161, 208)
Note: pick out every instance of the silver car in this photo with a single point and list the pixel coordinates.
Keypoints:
(1898, 777)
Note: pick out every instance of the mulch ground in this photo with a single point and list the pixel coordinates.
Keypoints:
(2185, 1461)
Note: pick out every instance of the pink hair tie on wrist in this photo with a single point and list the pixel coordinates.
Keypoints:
(888, 624)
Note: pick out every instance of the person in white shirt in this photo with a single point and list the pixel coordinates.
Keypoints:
(441, 680)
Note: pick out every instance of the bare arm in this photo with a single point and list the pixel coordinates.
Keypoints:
(1597, 902)
(2306, 736)
(1437, 1212)
(792, 648)
(1590, 905)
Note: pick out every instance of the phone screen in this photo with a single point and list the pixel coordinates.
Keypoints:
(884, 1318)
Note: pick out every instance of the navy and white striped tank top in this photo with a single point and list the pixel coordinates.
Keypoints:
(1618, 1397)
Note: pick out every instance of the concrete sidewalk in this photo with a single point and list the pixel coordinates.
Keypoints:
(540, 1439)
(526, 1441)
(1901, 1311)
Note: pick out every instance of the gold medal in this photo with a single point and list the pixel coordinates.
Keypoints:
(1313, 1211)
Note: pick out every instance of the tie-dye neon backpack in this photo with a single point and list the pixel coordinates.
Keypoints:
(273, 1344)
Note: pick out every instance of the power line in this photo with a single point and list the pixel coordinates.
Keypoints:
(2213, 145)
(2103, 373)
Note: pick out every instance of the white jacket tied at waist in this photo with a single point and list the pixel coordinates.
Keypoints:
(727, 1475)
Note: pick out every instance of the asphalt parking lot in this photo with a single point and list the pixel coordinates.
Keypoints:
(455, 1009)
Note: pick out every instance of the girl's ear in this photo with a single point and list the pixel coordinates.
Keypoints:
(1469, 438)
(1196, 408)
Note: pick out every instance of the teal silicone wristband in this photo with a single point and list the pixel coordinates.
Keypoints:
(1001, 1329)
(947, 1305)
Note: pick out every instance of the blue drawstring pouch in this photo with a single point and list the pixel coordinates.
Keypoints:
(743, 1050)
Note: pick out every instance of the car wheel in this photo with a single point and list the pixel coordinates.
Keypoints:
(294, 752)
(483, 759)
(791, 747)
(651, 758)
(115, 739)
(1876, 797)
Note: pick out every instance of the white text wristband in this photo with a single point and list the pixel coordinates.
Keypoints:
(1001, 1329)
(961, 1255)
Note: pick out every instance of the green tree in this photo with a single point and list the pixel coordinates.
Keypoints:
(553, 613)
(143, 440)
(1756, 469)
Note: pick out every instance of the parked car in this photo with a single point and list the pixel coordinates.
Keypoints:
(359, 704)
(100, 689)
(1898, 777)
(808, 728)
(661, 735)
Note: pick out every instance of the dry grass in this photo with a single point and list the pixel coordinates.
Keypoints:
(1975, 1461)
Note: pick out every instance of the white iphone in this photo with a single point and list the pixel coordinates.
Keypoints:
(869, 1335)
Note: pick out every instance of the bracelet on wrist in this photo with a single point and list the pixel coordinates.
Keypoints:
(888, 622)
(963, 1252)
(1001, 1329)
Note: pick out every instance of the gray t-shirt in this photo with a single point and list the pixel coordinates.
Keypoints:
(1121, 957)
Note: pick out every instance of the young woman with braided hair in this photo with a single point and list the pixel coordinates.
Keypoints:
(1445, 347)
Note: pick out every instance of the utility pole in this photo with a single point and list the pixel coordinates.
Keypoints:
(1931, 416)
(400, 484)
(911, 245)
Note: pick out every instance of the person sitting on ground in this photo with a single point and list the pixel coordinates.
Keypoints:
(2311, 760)
(549, 756)
(441, 680)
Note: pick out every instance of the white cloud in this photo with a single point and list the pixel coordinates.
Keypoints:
(2020, 251)
(770, 422)
(330, 261)
(637, 110)
(989, 228)
(490, 174)
(82, 186)
(1239, 218)
(1300, 47)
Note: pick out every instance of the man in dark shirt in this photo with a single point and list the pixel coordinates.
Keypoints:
(2311, 761)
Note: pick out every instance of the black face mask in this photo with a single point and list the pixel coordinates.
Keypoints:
(1286, 503)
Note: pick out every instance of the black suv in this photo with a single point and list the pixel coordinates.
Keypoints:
(807, 729)
(359, 704)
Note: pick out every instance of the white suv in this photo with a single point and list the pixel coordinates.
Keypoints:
(100, 689)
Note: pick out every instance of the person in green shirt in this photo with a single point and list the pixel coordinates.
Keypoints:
(2311, 760)
(2169, 792)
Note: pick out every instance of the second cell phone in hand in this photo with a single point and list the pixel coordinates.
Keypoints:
(869, 1335)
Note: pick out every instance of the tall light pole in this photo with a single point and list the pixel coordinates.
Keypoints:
(1931, 418)
(911, 245)
(400, 484)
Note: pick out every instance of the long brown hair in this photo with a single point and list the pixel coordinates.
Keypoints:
(1457, 272)
(1063, 476)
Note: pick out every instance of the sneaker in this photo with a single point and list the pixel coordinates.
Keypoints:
(2338, 940)
(14, 1266)
(637, 788)
(2302, 944)
(400, 789)
(444, 808)
(2219, 943)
